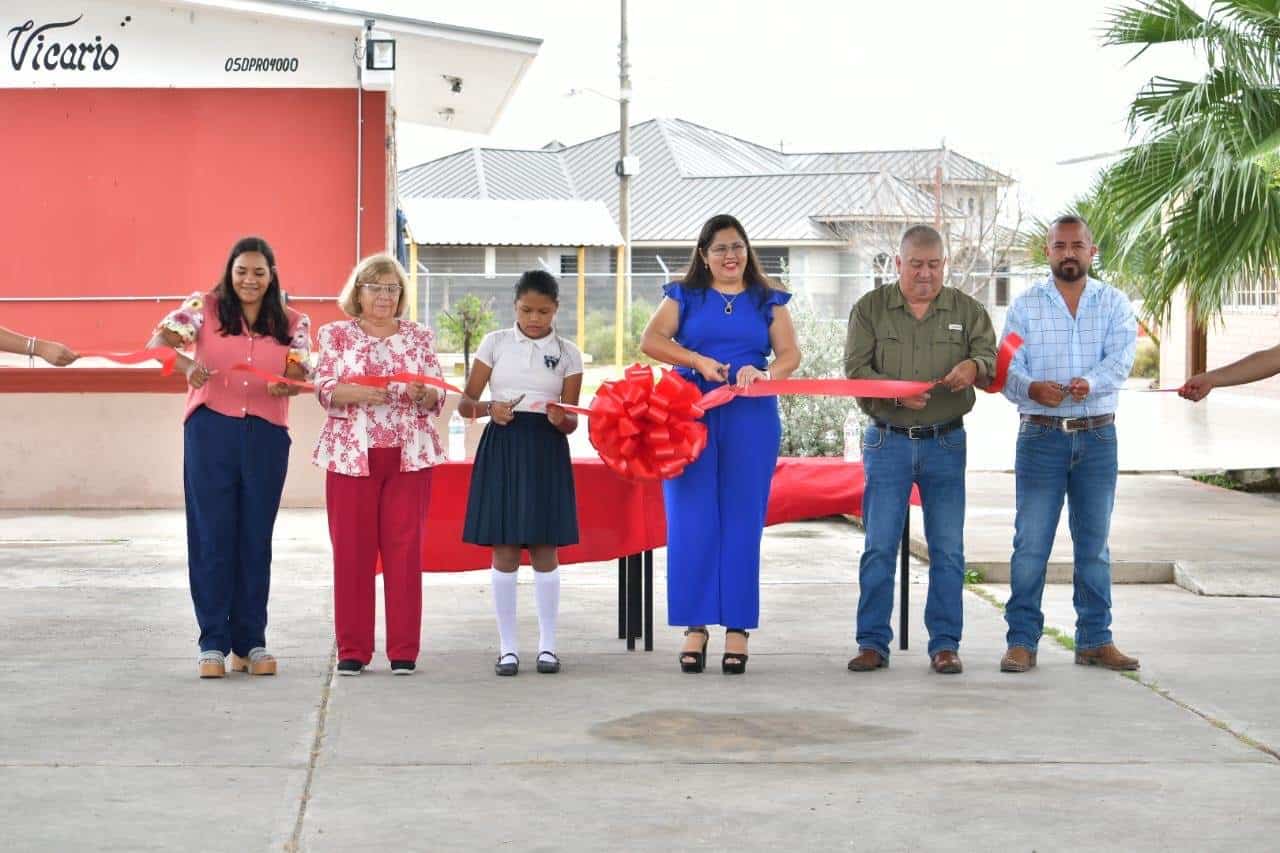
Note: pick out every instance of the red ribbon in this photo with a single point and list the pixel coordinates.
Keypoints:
(1004, 357)
(384, 381)
(269, 378)
(370, 381)
(166, 356)
(871, 388)
(642, 430)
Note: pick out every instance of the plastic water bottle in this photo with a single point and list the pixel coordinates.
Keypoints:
(852, 437)
(457, 437)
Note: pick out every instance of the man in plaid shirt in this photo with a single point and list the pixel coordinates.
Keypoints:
(1079, 340)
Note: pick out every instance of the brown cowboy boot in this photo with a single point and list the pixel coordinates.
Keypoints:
(1018, 659)
(1108, 656)
(867, 660)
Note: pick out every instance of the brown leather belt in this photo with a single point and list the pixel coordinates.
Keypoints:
(1070, 424)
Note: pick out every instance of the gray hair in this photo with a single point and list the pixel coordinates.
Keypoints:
(920, 237)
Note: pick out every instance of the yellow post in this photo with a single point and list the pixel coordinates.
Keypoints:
(582, 299)
(412, 295)
(619, 308)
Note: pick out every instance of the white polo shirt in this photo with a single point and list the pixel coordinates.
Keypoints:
(523, 365)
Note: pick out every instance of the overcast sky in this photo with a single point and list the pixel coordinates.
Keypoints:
(1017, 84)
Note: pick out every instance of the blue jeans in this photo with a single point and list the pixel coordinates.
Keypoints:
(892, 463)
(1081, 467)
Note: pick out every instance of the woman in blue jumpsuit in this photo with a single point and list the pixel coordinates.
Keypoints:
(719, 324)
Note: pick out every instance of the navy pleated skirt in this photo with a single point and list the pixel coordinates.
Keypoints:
(522, 486)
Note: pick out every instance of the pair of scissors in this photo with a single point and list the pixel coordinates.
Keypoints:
(513, 403)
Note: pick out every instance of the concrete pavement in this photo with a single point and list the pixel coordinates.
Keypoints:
(1164, 529)
(109, 742)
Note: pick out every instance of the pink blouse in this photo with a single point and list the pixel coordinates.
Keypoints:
(349, 431)
(237, 395)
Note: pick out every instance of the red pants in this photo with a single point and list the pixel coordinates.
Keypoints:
(384, 513)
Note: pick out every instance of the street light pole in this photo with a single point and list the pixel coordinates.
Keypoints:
(624, 177)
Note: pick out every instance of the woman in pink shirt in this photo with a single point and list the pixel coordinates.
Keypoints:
(377, 446)
(235, 448)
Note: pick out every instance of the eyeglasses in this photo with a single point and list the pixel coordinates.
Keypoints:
(381, 289)
(720, 249)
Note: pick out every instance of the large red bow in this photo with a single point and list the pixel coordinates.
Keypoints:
(645, 430)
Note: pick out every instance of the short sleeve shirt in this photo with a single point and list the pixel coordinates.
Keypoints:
(534, 367)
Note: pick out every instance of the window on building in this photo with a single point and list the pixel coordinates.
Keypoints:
(569, 264)
(1257, 294)
(1002, 286)
(881, 265)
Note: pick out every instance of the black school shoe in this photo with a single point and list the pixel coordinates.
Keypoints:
(508, 664)
(403, 667)
(548, 666)
(350, 666)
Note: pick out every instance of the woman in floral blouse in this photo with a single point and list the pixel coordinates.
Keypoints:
(378, 446)
(235, 448)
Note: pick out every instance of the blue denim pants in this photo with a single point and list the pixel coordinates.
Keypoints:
(1080, 467)
(892, 463)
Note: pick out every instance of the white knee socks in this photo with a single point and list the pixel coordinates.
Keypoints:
(546, 589)
(504, 606)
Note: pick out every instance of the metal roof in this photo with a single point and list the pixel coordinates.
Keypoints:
(689, 172)
(510, 222)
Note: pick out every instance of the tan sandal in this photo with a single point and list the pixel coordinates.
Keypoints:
(258, 662)
(212, 664)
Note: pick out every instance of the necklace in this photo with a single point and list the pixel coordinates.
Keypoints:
(728, 300)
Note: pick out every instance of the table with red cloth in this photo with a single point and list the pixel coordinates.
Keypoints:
(624, 520)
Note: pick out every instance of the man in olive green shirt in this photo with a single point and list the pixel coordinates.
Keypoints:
(916, 329)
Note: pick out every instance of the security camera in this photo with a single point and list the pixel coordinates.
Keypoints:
(455, 83)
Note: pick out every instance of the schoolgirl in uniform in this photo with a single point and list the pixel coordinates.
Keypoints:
(522, 481)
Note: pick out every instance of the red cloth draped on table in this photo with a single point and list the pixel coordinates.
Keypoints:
(618, 516)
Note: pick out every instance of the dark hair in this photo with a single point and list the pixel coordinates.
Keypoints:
(272, 320)
(1069, 219)
(921, 237)
(698, 275)
(538, 281)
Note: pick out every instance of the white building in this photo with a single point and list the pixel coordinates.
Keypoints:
(828, 223)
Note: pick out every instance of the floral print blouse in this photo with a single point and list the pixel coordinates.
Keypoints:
(349, 431)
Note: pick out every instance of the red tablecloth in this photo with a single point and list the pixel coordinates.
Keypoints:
(617, 517)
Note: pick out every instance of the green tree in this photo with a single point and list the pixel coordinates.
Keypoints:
(462, 327)
(599, 338)
(813, 425)
(1196, 201)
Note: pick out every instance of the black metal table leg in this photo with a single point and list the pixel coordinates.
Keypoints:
(634, 595)
(648, 601)
(904, 567)
(622, 597)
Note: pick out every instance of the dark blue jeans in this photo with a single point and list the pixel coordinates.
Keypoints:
(892, 463)
(233, 473)
(1080, 467)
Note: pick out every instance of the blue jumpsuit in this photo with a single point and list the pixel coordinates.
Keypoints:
(716, 507)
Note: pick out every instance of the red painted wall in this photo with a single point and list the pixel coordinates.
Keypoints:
(141, 192)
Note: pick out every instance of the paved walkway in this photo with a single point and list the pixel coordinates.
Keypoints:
(109, 742)
(1165, 528)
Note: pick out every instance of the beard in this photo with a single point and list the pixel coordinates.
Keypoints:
(1069, 271)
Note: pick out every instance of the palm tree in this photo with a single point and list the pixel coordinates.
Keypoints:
(1196, 201)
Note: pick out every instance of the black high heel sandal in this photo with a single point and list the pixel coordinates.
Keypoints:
(699, 662)
(739, 659)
